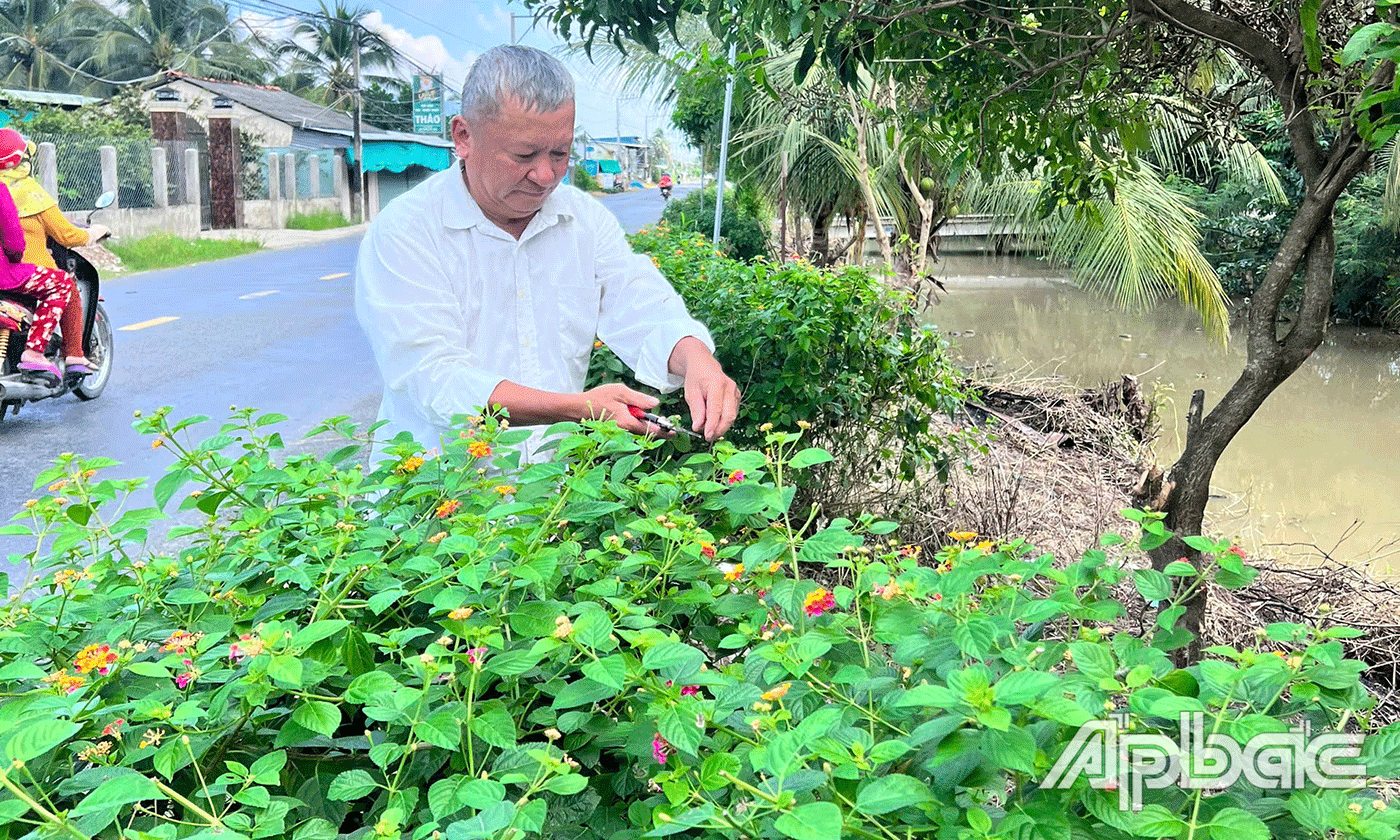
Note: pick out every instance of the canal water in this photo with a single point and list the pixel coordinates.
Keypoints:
(1318, 466)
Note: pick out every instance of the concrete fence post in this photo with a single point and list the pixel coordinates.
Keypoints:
(313, 175)
(194, 191)
(160, 194)
(108, 157)
(274, 189)
(46, 167)
(341, 180)
(289, 180)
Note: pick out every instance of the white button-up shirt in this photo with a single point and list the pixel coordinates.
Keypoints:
(453, 305)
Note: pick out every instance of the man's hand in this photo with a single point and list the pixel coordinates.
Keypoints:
(611, 401)
(712, 396)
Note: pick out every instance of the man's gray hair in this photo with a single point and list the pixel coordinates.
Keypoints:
(534, 78)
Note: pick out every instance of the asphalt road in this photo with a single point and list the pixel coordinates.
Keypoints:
(275, 330)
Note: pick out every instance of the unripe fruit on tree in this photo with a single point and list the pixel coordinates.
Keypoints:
(926, 184)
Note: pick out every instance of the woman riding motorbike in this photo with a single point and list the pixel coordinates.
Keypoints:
(41, 220)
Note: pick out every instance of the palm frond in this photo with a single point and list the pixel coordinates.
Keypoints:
(1135, 250)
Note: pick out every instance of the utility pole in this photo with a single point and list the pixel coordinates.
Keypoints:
(724, 140)
(358, 140)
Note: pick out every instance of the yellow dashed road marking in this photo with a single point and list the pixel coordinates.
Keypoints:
(154, 322)
(252, 295)
(336, 276)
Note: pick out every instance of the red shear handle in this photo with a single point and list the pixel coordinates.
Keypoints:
(637, 412)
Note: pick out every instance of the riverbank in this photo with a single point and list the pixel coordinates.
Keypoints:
(1059, 464)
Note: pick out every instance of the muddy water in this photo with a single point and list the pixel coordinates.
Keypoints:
(1319, 465)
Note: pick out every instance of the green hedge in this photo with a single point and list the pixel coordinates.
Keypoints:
(743, 228)
(834, 349)
(594, 648)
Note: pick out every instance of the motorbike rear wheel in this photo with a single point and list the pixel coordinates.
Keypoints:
(100, 354)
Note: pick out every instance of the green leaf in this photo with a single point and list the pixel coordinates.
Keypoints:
(1312, 49)
(1179, 568)
(1012, 749)
(484, 825)
(267, 769)
(566, 785)
(316, 828)
(890, 793)
(441, 728)
(318, 716)
(714, 766)
(1153, 585)
(115, 792)
(318, 630)
(448, 796)
(285, 669)
(1023, 687)
(673, 658)
(351, 785)
(813, 821)
(1363, 40)
(496, 727)
(610, 671)
(809, 457)
(1156, 821)
(1238, 824)
(978, 819)
(1093, 659)
(40, 736)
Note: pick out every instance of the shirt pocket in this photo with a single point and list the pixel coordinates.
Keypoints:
(580, 301)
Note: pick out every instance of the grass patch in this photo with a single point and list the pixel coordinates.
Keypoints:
(320, 220)
(164, 250)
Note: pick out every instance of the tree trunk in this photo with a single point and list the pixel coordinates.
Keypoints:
(821, 235)
(867, 189)
(1308, 246)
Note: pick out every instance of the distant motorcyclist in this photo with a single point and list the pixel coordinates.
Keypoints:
(42, 220)
(665, 184)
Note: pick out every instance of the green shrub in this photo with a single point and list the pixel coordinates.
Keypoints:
(585, 181)
(835, 349)
(320, 220)
(742, 228)
(331, 653)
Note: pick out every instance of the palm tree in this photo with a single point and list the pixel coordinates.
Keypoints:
(33, 42)
(324, 45)
(145, 39)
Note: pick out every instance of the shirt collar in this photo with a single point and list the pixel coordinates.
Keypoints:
(461, 211)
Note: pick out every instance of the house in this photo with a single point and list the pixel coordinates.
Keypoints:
(280, 121)
(633, 154)
(17, 103)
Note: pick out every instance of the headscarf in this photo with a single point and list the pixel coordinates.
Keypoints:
(31, 199)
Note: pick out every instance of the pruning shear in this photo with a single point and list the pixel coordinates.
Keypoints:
(659, 421)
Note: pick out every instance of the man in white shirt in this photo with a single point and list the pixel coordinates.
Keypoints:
(486, 284)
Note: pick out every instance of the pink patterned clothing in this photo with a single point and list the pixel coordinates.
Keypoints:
(13, 273)
(52, 289)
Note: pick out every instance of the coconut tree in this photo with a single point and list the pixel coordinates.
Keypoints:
(323, 46)
(34, 40)
(145, 39)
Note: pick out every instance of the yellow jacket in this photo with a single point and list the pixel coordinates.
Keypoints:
(46, 225)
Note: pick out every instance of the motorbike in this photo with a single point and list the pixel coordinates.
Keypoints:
(18, 387)
(666, 193)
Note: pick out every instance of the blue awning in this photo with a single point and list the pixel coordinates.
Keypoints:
(396, 157)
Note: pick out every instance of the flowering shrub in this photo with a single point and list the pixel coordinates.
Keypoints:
(831, 351)
(597, 649)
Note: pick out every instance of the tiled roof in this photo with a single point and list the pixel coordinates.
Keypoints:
(278, 104)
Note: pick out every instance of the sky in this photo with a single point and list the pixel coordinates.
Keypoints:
(448, 35)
